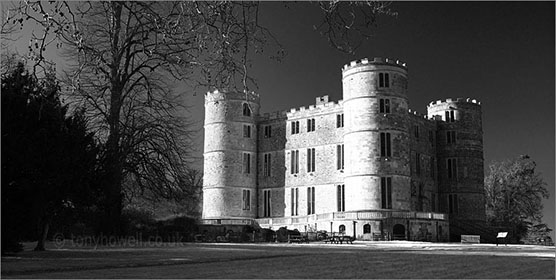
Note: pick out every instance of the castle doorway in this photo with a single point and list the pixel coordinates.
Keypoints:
(398, 232)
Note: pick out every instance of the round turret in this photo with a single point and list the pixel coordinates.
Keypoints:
(377, 174)
(229, 182)
(460, 157)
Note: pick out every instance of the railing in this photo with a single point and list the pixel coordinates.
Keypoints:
(355, 215)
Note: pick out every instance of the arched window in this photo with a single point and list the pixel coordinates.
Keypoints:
(366, 228)
(246, 110)
(342, 229)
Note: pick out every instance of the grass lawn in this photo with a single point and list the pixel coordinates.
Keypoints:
(361, 260)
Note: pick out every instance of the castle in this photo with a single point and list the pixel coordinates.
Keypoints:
(366, 166)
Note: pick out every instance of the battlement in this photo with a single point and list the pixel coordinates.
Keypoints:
(217, 95)
(375, 61)
(417, 114)
(329, 106)
(452, 100)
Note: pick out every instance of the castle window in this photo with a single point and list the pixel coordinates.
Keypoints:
(450, 117)
(342, 229)
(246, 110)
(450, 137)
(385, 145)
(295, 201)
(246, 201)
(383, 80)
(294, 162)
(266, 165)
(310, 200)
(311, 160)
(384, 106)
(416, 131)
(340, 157)
(453, 203)
(386, 192)
(267, 131)
(266, 203)
(246, 163)
(452, 166)
(418, 164)
(431, 137)
(339, 120)
(366, 228)
(341, 198)
(310, 125)
(246, 131)
(295, 127)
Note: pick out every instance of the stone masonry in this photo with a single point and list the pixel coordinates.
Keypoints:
(366, 166)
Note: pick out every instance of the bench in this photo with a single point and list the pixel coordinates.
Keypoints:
(297, 239)
(471, 239)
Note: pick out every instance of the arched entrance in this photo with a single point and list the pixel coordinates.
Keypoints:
(366, 228)
(342, 229)
(398, 232)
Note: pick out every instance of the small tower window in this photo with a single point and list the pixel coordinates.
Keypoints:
(246, 202)
(246, 131)
(340, 120)
(416, 131)
(267, 131)
(453, 203)
(295, 127)
(310, 125)
(294, 162)
(450, 116)
(266, 203)
(450, 137)
(384, 106)
(452, 167)
(383, 80)
(386, 192)
(385, 145)
(246, 110)
(266, 165)
(246, 163)
(311, 160)
(295, 201)
(310, 200)
(341, 198)
(340, 157)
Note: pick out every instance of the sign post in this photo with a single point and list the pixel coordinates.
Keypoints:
(502, 235)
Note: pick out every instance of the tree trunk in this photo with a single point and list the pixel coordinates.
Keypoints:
(44, 226)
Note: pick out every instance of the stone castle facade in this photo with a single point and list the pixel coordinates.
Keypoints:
(367, 165)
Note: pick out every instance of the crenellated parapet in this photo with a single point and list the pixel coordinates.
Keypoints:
(315, 109)
(374, 61)
(454, 100)
(218, 95)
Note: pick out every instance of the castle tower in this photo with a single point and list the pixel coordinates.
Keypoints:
(377, 171)
(230, 170)
(460, 158)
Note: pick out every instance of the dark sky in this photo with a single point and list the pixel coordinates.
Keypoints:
(500, 53)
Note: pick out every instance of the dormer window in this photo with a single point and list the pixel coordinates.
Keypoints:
(246, 110)
(383, 80)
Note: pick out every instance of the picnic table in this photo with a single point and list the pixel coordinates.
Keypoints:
(339, 239)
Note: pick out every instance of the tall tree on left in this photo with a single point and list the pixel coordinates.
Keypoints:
(49, 160)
